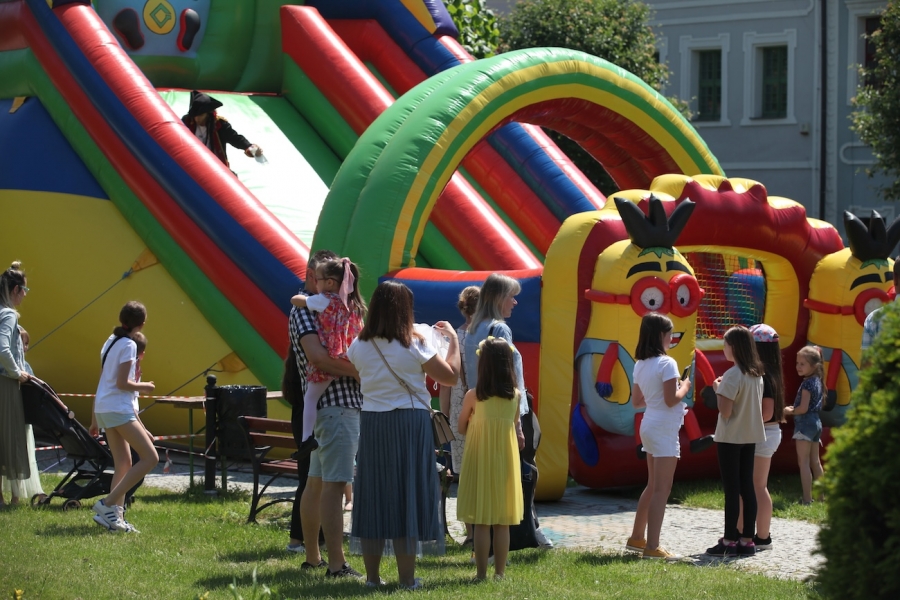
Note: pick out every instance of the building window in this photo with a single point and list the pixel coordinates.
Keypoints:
(774, 82)
(872, 25)
(864, 18)
(709, 85)
(704, 78)
(769, 76)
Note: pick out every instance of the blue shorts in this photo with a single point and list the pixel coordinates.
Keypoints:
(337, 431)
(110, 420)
(808, 431)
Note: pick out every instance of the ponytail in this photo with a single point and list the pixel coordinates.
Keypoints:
(345, 271)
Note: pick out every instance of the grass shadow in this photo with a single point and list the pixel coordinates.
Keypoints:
(600, 560)
(195, 495)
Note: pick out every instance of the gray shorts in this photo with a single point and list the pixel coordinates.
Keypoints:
(109, 420)
(337, 431)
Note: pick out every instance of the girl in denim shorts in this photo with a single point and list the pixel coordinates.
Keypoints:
(807, 423)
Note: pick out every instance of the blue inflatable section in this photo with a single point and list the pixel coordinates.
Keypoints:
(35, 147)
(435, 300)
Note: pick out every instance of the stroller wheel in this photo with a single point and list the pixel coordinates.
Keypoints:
(40, 500)
(72, 505)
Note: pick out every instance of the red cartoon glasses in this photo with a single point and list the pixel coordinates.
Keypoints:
(681, 296)
(865, 303)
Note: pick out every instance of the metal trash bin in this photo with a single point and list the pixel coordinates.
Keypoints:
(234, 401)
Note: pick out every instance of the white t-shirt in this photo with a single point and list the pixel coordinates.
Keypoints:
(110, 399)
(650, 374)
(380, 390)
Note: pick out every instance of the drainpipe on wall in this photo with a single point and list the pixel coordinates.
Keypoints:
(823, 116)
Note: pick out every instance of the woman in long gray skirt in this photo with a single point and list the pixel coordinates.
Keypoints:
(13, 444)
(396, 506)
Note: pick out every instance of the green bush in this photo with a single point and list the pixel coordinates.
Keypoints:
(861, 536)
(477, 25)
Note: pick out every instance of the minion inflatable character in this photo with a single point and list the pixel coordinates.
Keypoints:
(638, 271)
(634, 277)
(845, 287)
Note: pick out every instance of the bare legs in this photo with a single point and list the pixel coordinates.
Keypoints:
(810, 466)
(120, 441)
(406, 563)
(651, 507)
(322, 505)
(763, 499)
(483, 549)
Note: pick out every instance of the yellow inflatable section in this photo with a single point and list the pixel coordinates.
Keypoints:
(88, 248)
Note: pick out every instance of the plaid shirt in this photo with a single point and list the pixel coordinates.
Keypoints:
(343, 391)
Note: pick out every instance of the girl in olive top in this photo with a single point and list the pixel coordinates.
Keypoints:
(738, 430)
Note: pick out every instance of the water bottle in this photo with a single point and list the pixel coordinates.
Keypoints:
(257, 153)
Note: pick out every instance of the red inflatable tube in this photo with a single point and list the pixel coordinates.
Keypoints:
(266, 318)
(143, 101)
(512, 195)
(11, 34)
(460, 214)
(371, 43)
(368, 40)
(541, 139)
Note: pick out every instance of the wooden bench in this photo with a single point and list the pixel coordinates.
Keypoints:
(262, 436)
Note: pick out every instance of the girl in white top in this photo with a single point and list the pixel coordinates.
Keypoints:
(115, 410)
(658, 388)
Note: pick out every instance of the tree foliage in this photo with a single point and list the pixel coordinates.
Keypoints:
(861, 533)
(615, 30)
(477, 25)
(877, 118)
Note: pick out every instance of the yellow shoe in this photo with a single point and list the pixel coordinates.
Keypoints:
(633, 545)
(660, 553)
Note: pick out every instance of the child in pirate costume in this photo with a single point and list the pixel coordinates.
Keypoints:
(215, 131)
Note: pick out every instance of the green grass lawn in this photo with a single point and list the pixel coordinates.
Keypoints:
(195, 546)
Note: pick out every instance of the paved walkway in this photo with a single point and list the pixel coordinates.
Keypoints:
(590, 520)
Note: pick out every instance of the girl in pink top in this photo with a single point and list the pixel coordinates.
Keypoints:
(339, 309)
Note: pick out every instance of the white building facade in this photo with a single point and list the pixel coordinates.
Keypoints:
(770, 85)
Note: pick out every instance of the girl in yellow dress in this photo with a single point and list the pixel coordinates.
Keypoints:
(490, 487)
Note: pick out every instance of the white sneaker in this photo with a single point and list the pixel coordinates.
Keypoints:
(543, 542)
(298, 548)
(112, 517)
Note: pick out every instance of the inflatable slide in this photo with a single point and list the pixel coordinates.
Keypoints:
(116, 200)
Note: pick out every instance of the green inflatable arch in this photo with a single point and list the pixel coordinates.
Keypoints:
(383, 194)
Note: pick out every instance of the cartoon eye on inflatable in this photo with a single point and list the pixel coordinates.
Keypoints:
(686, 294)
(868, 301)
(650, 294)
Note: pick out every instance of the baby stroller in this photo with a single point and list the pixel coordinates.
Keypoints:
(52, 420)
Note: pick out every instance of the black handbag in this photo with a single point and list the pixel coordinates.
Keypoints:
(440, 424)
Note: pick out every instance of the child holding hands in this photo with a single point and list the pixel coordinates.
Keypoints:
(339, 311)
(807, 422)
(658, 388)
(490, 490)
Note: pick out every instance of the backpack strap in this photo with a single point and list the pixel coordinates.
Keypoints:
(105, 354)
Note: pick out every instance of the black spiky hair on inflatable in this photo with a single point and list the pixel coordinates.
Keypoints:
(655, 230)
(873, 242)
